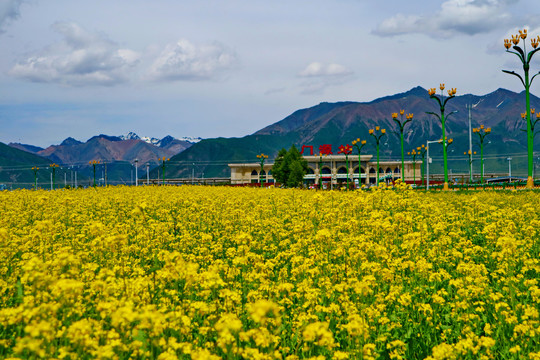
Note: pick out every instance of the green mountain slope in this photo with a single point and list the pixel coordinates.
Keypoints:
(340, 123)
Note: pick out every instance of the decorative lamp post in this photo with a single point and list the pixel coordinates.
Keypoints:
(442, 103)
(320, 169)
(347, 150)
(525, 58)
(53, 166)
(163, 159)
(35, 170)
(422, 151)
(377, 138)
(482, 133)
(261, 158)
(470, 154)
(413, 155)
(94, 163)
(359, 148)
(401, 125)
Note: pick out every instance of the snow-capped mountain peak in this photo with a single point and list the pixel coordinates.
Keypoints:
(159, 142)
(130, 136)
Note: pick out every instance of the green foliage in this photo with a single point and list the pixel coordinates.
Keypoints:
(290, 167)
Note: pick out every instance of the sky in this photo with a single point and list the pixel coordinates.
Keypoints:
(227, 68)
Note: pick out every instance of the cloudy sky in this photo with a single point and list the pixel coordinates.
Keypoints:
(228, 68)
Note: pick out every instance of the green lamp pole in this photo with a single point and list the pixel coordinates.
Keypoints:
(320, 169)
(413, 155)
(401, 125)
(163, 159)
(261, 157)
(35, 169)
(442, 103)
(347, 150)
(94, 163)
(525, 58)
(482, 133)
(422, 151)
(359, 149)
(377, 138)
(53, 166)
(470, 154)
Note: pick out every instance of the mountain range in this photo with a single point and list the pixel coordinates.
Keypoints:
(340, 123)
(326, 123)
(111, 149)
(118, 152)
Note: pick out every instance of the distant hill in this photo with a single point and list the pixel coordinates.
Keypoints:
(16, 166)
(25, 147)
(340, 123)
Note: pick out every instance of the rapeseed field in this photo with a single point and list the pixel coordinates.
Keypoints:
(239, 273)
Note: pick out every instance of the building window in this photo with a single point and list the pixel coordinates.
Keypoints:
(326, 171)
(388, 170)
(372, 171)
(254, 173)
(342, 170)
(263, 173)
(396, 170)
(310, 171)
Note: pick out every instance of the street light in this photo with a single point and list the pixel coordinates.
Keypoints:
(35, 169)
(470, 154)
(94, 163)
(482, 133)
(429, 160)
(422, 151)
(320, 169)
(359, 148)
(442, 103)
(525, 58)
(163, 168)
(413, 155)
(347, 149)
(261, 158)
(377, 141)
(53, 166)
(401, 126)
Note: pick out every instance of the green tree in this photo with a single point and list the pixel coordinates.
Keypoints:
(289, 167)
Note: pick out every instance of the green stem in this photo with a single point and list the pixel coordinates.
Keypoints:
(402, 158)
(530, 135)
(445, 156)
(377, 162)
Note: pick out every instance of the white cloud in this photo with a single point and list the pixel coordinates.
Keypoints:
(186, 61)
(319, 76)
(317, 69)
(468, 17)
(9, 10)
(81, 59)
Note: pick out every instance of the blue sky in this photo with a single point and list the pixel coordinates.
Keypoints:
(228, 68)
